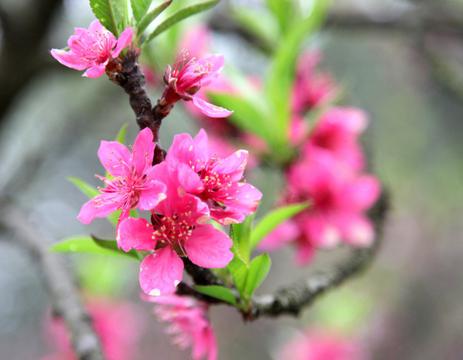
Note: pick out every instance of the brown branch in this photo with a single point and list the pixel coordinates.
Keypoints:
(58, 280)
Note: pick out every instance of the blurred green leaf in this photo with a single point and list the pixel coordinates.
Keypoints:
(218, 292)
(258, 271)
(86, 244)
(122, 134)
(238, 271)
(272, 219)
(284, 12)
(140, 8)
(150, 16)
(87, 189)
(181, 15)
(105, 12)
(240, 234)
(283, 66)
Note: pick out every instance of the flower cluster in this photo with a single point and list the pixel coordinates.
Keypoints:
(189, 324)
(182, 194)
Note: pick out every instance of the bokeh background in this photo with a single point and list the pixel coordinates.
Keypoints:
(406, 306)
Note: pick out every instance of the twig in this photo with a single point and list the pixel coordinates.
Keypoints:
(59, 282)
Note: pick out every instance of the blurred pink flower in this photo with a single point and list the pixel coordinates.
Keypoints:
(91, 49)
(337, 132)
(132, 183)
(196, 41)
(177, 229)
(189, 324)
(216, 181)
(338, 199)
(311, 88)
(117, 324)
(187, 76)
(321, 346)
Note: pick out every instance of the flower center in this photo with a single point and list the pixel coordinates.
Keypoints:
(172, 231)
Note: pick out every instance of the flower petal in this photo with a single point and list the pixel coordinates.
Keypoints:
(233, 165)
(143, 150)
(95, 71)
(69, 59)
(209, 247)
(125, 39)
(161, 272)
(135, 234)
(282, 235)
(211, 110)
(115, 157)
(153, 193)
(96, 208)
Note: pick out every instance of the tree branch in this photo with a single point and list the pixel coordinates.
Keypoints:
(59, 283)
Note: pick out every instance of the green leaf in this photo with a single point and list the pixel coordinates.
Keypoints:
(258, 271)
(140, 8)
(150, 16)
(181, 15)
(282, 69)
(284, 12)
(219, 292)
(113, 14)
(87, 189)
(238, 271)
(122, 134)
(274, 218)
(246, 115)
(240, 234)
(87, 244)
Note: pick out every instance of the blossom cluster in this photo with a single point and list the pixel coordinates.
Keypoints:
(182, 195)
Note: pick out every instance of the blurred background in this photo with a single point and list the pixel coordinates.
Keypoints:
(401, 61)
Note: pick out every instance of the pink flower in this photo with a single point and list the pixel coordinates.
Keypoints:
(177, 229)
(321, 346)
(187, 76)
(215, 181)
(132, 183)
(118, 342)
(189, 324)
(339, 198)
(311, 88)
(91, 49)
(196, 41)
(337, 132)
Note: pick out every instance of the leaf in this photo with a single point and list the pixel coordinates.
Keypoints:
(181, 15)
(274, 218)
(113, 14)
(87, 189)
(246, 115)
(86, 244)
(140, 8)
(219, 292)
(150, 16)
(258, 271)
(240, 234)
(283, 10)
(282, 69)
(122, 134)
(238, 271)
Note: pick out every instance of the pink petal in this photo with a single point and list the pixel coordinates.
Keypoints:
(161, 272)
(153, 193)
(233, 165)
(189, 180)
(319, 230)
(282, 235)
(143, 150)
(96, 26)
(69, 59)
(185, 149)
(209, 247)
(214, 64)
(96, 208)
(362, 193)
(135, 234)
(356, 229)
(115, 157)
(125, 39)
(95, 71)
(211, 110)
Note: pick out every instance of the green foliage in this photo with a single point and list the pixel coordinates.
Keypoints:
(257, 272)
(218, 292)
(89, 245)
(272, 219)
(113, 14)
(122, 134)
(87, 189)
(284, 12)
(140, 8)
(181, 15)
(240, 234)
(150, 16)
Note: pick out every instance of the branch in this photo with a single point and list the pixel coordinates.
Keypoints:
(292, 299)
(59, 282)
